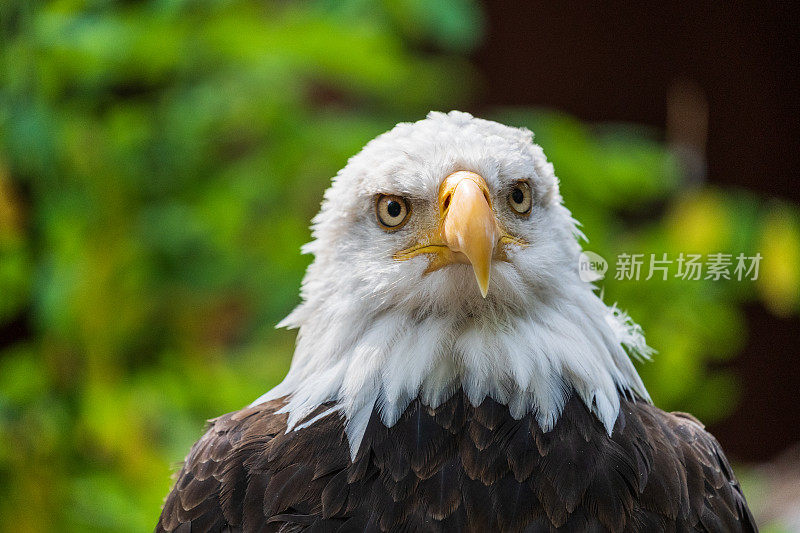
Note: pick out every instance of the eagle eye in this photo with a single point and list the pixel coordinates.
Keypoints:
(520, 198)
(392, 211)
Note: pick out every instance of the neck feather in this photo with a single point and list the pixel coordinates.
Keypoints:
(530, 360)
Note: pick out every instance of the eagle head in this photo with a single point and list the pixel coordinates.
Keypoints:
(445, 259)
(436, 215)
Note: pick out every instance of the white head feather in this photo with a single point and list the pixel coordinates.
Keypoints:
(375, 332)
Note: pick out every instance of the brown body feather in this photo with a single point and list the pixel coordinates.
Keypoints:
(458, 468)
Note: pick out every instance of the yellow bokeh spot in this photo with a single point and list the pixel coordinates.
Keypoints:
(779, 277)
(699, 222)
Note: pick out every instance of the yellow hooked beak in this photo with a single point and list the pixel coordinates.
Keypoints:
(468, 230)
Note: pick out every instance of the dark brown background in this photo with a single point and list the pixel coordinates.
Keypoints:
(618, 62)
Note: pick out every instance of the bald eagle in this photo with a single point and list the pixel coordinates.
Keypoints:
(452, 370)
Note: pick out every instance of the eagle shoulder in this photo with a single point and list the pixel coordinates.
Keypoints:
(237, 475)
(690, 480)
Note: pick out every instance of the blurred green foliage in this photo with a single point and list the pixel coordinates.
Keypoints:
(159, 164)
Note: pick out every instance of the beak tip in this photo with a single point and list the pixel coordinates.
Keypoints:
(483, 285)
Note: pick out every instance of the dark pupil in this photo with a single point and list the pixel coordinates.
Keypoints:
(518, 196)
(394, 209)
